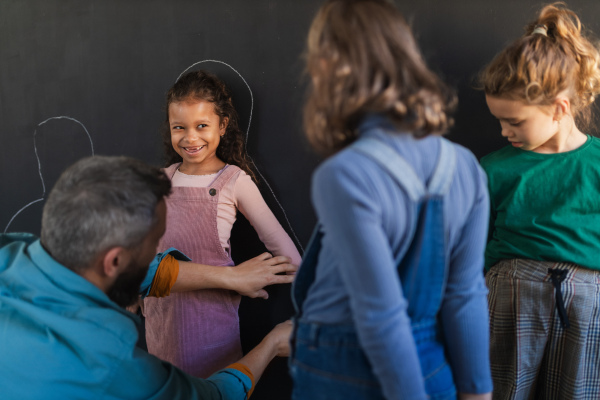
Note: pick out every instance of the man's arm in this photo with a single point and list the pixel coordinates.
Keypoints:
(248, 278)
(142, 375)
(275, 344)
(172, 271)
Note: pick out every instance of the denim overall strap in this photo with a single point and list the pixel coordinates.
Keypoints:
(422, 264)
(423, 270)
(306, 274)
(405, 176)
(396, 166)
(439, 184)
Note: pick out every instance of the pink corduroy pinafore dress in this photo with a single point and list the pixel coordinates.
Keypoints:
(197, 331)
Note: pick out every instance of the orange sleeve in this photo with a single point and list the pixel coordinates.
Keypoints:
(246, 371)
(165, 277)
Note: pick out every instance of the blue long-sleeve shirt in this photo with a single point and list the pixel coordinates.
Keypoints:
(61, 337)
(365, 217)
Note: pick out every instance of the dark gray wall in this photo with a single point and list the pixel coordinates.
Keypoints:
(106, 64)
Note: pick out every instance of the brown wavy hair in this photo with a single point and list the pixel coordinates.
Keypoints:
(362, 58)
(537, 67)
(202, 85)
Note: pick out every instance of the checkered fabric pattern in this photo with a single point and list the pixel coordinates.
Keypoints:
(532, 355)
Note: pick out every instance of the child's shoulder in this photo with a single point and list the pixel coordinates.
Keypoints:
(594, 141)
(238, 178)
(170, 170)
(498, 157)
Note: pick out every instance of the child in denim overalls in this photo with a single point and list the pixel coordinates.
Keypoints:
(390, 296)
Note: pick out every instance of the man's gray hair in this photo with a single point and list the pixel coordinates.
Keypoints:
(98, 203)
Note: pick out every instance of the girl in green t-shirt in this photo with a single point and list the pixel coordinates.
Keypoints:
(543, 253)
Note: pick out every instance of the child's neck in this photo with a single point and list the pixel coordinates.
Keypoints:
(203, 168)
(568, 138)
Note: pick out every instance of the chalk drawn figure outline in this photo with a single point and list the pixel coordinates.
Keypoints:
(35, 148)
(246, 141)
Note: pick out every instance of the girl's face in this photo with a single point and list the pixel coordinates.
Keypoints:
(195, 135)
(528, 127)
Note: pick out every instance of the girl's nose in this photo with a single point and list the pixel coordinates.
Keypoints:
(506, 132)
(191, 135)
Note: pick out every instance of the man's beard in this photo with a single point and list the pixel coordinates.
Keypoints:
(126, 288)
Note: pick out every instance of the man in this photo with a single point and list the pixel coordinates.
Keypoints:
(63, 331)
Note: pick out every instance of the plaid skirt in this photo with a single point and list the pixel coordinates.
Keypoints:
(544, 330)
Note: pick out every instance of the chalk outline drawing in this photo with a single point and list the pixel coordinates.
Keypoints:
(40, 164)
(246, 141)
(92, 147)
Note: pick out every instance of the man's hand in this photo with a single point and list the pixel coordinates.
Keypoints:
(280, 337)
(250, 277)
(276, 343)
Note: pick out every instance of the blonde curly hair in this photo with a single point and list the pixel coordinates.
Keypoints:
(553, 57)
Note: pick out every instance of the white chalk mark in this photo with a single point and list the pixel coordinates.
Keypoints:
(40, 164)
(18, 212)
(246, 141)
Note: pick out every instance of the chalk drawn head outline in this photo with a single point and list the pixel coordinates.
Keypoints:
(39, 163)
(246, 138)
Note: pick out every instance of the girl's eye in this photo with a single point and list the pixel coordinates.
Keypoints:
(174, 128)
(202, 126)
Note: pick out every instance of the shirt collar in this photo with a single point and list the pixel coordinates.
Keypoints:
(67, 280)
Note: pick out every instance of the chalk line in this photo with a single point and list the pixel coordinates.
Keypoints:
(246, 141)
(40, 164)
(18, 212)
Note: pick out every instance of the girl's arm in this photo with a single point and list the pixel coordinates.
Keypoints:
(464, 311)
(251, 204)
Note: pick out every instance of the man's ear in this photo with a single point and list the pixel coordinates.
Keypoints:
(114, 261)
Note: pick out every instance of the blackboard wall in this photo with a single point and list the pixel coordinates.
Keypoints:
(89, 77)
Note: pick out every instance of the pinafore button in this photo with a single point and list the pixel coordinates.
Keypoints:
(212, 191)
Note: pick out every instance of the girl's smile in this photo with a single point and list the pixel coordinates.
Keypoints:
(193, 150)
(196, 132)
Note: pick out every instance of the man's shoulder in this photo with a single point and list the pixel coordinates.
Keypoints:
(24, 237)
(12, 245)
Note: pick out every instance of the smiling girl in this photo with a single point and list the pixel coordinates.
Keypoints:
(543, 253)
(198, 331)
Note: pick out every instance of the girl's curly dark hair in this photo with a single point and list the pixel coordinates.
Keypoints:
(202, 85)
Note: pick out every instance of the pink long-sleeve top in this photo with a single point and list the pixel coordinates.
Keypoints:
(241, 193)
